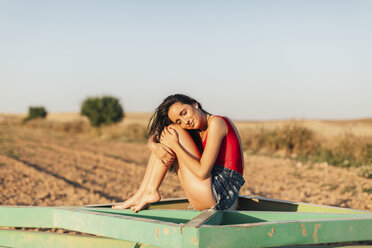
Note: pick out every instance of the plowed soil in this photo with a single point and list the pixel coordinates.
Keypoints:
(43, 167)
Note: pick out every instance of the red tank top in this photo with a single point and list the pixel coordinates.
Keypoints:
(230, 154)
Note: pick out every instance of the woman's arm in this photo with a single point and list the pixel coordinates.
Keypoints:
(202, 167)
(161, 151)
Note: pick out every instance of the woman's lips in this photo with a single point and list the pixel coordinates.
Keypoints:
(191, 123)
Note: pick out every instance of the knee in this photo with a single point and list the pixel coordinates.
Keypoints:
(186, 140)
(179, 129)
(175, 127)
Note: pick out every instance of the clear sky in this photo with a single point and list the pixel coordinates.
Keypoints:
(253, 60)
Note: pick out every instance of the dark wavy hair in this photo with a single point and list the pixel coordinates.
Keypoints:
(160, 119)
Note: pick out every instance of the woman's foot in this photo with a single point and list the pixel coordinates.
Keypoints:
(145, 201)
(128, 203)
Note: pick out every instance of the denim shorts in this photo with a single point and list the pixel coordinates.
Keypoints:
(226, 184)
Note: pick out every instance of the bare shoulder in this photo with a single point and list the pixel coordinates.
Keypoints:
(218, 124)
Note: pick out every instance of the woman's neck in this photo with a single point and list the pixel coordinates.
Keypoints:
(206, 123)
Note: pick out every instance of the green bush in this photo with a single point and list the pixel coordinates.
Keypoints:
(35, 112)
(102, 110)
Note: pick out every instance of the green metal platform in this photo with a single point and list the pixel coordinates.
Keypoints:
(258, 222)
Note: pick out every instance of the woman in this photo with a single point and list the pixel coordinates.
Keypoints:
(203, 149)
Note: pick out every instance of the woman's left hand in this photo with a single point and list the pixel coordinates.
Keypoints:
(169, 137)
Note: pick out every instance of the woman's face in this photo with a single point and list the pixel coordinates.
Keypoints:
(186, 116)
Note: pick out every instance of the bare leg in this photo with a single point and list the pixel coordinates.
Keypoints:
(136, 197)
(151, 193)
(198, 191)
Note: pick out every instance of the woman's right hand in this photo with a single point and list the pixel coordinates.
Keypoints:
(165, 154)
(162, 152)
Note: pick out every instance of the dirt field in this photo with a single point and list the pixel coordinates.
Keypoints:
(46, 167)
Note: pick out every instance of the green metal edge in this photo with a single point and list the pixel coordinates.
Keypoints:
(198, 231)
(267, 204)
(152, 232)
(147, 231)
(271, 234)
(172, 216)
(247, 217)
(27, 217)
(31, 239)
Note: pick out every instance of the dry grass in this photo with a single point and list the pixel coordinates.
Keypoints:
(129, 118)
(296, 140)
(132, 128)
(324, 128)
(327, 129)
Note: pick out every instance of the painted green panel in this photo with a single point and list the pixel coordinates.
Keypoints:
(172, 204)
(119, 227)
(242, 217)
(328, 209)
(266, 204)
(174, 216)
(289, 233)
(328, 246)
(175, 203)
(26, 217)
(190, 237)
(29, 239)
(207, 217)
(163, 228)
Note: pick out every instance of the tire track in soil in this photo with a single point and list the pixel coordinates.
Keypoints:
(128, 151)
(125, 148)
(64, 165)
(70, 148)
(170, 187)
(91, 155)
(70, 182)
(23, 147)
(26, 185)
(169, 181)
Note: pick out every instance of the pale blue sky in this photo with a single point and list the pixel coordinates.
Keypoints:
(253, 60)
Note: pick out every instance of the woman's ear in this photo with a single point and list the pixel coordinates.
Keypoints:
(195, 105)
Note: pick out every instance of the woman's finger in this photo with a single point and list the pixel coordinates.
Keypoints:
(170, 151)
(172, 131)
(169, 129)
(169, 156)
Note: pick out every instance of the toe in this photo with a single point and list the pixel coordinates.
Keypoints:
(117, 206)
